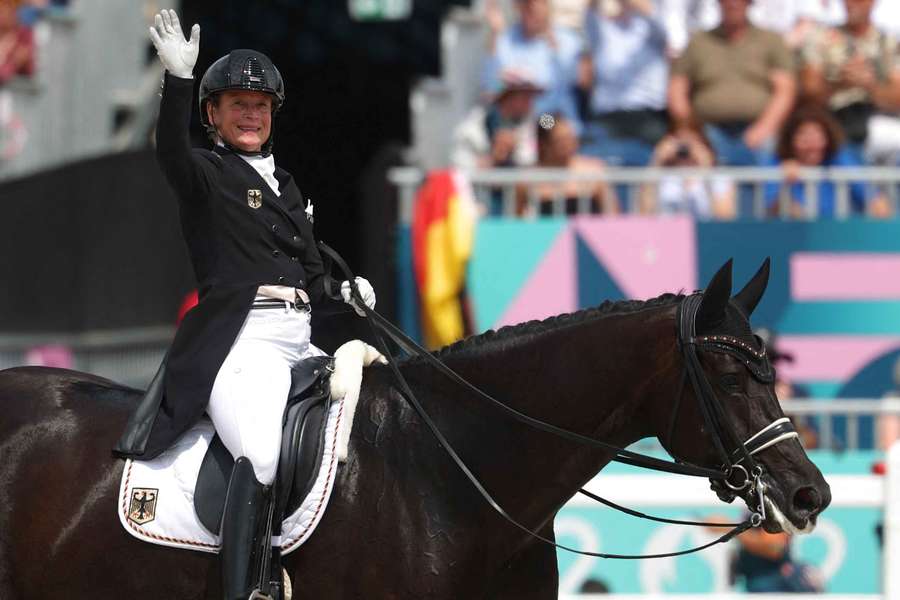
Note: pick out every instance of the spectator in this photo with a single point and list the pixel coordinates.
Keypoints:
(812, 138)
(627, 44)
(712, 198)
(16, 43)
(888, 427)
(786, 390)
(854, 70)
(738, 81)
(793, 19)
(558, 149)
(501, 134)
(764, 562)
(549, 52)
(594, 586)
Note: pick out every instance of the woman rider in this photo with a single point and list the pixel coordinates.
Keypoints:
(258, 270)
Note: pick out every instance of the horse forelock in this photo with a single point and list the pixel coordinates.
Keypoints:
(529, 329)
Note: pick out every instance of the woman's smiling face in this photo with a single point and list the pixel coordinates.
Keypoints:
(242, 118)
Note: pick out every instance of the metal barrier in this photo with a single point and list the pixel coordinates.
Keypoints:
(127, 356)
(821, 414)
(500, 186)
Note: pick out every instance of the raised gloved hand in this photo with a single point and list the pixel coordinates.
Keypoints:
(176, 54)
(365, 290)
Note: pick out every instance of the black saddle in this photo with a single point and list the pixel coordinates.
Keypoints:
(302, 444)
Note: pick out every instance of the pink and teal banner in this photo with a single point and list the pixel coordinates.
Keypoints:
(834, 294)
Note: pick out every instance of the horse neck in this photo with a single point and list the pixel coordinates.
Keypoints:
(609, 378)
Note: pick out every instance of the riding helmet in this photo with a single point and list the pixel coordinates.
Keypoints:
(242, 70)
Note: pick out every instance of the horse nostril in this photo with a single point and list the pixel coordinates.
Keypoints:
(807, 499)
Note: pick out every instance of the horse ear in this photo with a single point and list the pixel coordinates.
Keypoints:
(752, 293)
(715, 298)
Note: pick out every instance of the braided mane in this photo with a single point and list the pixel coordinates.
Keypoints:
(531, 328)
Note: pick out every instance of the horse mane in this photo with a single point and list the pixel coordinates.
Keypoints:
(528, 329)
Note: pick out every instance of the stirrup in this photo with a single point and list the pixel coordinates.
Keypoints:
(258, 595)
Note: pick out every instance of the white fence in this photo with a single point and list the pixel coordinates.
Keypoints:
(848, 491)
(505, 184)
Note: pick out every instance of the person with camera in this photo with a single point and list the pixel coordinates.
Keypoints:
(712, 197)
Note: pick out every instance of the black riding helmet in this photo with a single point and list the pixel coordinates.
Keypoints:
(242, 70)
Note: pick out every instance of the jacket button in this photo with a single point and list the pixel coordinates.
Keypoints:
(275, 252)
(294, 258)
(281, 279)
(274, 227)
(296, 238)
(300, 283)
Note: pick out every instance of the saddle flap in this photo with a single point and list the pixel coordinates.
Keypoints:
(304, 423)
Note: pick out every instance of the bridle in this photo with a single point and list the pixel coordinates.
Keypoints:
(741, 471)
(739, 462)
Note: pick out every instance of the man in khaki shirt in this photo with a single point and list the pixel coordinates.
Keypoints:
(854, 70)
(737, 81)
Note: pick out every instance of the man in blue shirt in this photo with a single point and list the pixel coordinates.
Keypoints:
(549, 53)
(629, 68)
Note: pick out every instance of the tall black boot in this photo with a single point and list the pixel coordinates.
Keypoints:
(246, 535)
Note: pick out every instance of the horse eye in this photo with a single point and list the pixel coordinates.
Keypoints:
(730, 383)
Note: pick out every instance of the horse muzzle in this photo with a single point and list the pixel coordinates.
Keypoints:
(795, 511)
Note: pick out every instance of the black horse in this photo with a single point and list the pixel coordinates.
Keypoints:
(403, 522)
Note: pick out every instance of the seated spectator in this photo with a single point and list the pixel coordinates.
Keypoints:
(854, 70)
(594, 586)
(558, 149)
(792, 19)
(16, 43)
(627, 45)
(549, 52)
(712, 198)
(785, 390)
(812, 138)
(501, 134)
(737, 80)
(765, 564)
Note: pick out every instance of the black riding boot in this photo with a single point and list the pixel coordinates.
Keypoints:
(246, 535)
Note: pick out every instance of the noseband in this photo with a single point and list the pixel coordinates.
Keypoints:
(740, 470)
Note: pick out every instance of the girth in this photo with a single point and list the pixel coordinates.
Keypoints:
(302, 445)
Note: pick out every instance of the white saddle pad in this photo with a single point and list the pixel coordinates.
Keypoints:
(156, 497)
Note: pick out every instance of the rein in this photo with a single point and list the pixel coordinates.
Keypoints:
(750, 471)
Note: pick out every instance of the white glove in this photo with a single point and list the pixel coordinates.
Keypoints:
(176, 54)
(365, 290)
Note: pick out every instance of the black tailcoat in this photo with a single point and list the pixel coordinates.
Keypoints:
(240, 235)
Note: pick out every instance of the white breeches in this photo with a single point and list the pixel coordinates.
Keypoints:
(251, 388)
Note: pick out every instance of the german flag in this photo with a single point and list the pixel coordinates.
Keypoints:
(442, 236)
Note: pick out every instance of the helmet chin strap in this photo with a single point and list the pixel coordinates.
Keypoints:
(264, 151)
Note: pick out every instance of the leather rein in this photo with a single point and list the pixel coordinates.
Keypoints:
(738, 472)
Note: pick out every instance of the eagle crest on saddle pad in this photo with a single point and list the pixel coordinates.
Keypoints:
(157, 496)
(143, 505)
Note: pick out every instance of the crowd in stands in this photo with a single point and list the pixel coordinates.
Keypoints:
(764, 83)
(17, 60)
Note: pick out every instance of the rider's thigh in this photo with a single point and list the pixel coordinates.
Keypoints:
(247, 403)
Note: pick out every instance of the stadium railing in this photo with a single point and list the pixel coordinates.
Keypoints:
(498, 187)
